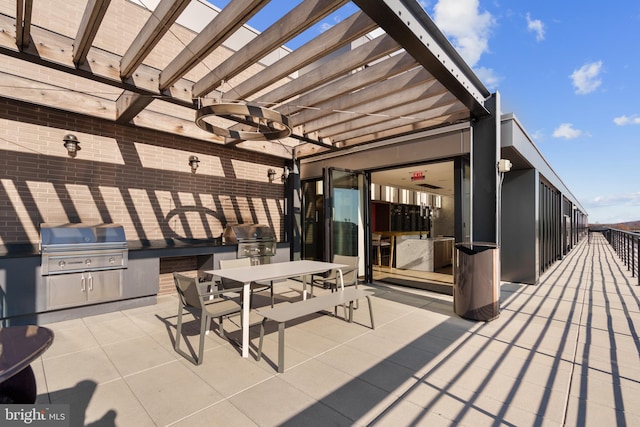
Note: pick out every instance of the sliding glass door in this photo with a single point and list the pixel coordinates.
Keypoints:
(334, 210)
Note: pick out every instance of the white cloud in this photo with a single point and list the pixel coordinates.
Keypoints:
(566, 131)
(468, 29)
(631, 199)
(627, 120)
(488, 77)
(536, 26)
(586, 79)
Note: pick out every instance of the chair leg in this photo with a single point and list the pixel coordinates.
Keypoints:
(179, 328)
(264, 320)
(221, 327)
(281, 347)
(204, 323)
(271, 288)
(370, 312)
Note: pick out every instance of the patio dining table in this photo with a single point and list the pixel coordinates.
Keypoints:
(19, 346)
(269, 272)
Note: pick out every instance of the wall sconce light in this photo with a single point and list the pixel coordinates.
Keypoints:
(72, 144)
(285, 174)
(194, 162)
(271, 174)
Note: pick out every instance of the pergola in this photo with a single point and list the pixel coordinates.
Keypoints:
(349, 85)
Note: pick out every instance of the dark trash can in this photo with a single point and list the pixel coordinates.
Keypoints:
(476, 288)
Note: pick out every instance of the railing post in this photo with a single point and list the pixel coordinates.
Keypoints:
(628, 252)
(633, 257)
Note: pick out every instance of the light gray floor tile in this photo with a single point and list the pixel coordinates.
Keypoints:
(111, 403)
(220, 414)
(137, 354)
(171, 392)
(276, 402)
(228, 373)
(69, 340)
(64, 373)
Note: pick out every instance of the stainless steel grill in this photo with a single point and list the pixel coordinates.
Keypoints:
(82, 263)
(254, 241)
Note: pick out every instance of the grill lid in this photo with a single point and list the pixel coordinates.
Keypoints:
(81, 233)
(235, 233)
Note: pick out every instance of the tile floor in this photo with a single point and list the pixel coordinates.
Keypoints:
(565, 352)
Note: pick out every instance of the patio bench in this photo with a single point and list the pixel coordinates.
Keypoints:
(285, 312)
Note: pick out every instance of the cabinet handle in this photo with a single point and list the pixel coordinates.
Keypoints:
(83, 287)
(90, 282)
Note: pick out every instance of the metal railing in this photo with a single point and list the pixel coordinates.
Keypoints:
(627, 246)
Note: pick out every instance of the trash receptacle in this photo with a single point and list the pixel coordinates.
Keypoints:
(476, 288)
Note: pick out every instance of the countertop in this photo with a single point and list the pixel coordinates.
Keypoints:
(21, 250)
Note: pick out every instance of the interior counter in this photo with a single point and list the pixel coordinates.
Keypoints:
(427, 254)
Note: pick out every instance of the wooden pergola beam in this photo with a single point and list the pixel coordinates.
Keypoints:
(290, 25)
(211, 37)
(332, 69)
(357, 25)
(380, 127)
(346, 85)
(414, 104)
(160, 21)
(91, 20)
(24, 11)
(395, 84)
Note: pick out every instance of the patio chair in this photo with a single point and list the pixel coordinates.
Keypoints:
(332, 280)
(228, 284)
(200, 304)
(380, 244)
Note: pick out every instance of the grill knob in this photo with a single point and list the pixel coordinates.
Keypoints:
(112, 260)
(61, 264)
(87, 262)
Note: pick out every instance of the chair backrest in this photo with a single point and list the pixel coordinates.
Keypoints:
(233, 263)
(187, 288)
(351, 277)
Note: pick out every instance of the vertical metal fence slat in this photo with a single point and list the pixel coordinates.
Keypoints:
(627, 246)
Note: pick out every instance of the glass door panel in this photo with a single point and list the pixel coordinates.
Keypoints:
(313, 241)
(345, 205)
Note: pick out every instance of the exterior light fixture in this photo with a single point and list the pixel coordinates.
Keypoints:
(271, 174)
(72, 144)
(194, 162)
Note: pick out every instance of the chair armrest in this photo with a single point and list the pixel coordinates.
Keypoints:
(213, 285)
(347, 269)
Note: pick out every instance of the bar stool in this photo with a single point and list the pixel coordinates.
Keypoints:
(379, 244)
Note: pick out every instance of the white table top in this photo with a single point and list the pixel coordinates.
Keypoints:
(279, 270)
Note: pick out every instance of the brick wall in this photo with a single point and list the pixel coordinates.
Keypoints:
(185, 265)
(136, 177)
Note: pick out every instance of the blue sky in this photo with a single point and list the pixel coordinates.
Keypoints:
(570, 73)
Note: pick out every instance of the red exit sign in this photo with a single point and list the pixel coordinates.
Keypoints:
(417, 176)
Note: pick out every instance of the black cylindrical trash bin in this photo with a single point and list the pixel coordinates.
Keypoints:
(476, 289)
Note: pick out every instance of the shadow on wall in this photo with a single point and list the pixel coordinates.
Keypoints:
(151, 202)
